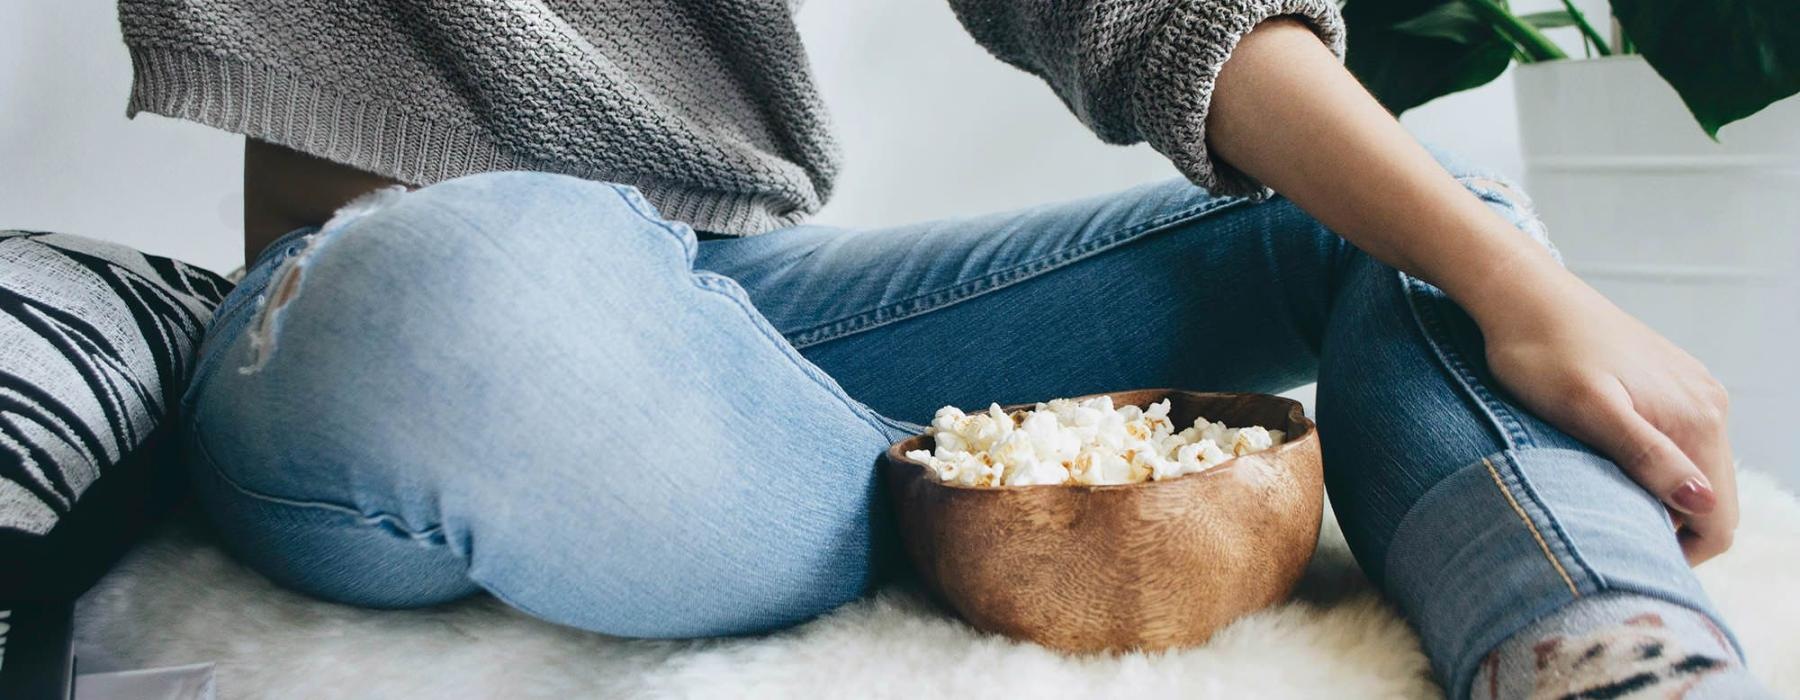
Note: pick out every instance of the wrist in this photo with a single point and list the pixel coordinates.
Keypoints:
(1516, 281)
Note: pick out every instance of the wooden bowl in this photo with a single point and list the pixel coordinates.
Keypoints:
(1144, 566)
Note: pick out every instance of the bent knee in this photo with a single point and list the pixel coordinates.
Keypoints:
(461, 247)
(500, 220)
(545, 213)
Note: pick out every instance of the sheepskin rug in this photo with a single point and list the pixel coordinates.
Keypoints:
(178, 600)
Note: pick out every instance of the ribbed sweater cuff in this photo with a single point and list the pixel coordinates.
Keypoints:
(1174, 93)
(274, 106)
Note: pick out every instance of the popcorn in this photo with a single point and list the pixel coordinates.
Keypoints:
(1089, 442)
(1015, 448)
(1252, 439)
(1031, 472)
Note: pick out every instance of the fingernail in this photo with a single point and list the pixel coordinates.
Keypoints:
(1694, 497)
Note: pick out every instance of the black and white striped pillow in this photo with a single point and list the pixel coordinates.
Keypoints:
(97, 342)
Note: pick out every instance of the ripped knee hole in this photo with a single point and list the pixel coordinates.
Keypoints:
(285, 285)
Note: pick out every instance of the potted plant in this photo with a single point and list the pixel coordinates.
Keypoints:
(1663, 153)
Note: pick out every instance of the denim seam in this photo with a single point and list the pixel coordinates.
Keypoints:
(728, 288)
(900, 426)
(1290, 316)
(284, 247)
(1508, 462)
(210, 357)
(1529, 525)
(431, 535)
(1512, 432)
(968, 289)
(238, 305)
(1431, 325)
(228, 314)
(1595, 580)
(642, 207)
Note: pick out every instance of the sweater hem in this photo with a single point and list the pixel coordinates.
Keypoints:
(272, 105)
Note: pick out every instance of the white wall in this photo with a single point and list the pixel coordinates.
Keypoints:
(71, 162)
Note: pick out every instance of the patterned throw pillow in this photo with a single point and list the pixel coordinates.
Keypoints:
(96, 343)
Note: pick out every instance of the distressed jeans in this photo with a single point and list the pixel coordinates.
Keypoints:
(534, 386)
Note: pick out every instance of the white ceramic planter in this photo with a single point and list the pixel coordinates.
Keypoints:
(1700, 239)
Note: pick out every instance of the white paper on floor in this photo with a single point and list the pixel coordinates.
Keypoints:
(192, 682)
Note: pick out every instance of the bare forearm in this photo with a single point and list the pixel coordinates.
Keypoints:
(1287, 113)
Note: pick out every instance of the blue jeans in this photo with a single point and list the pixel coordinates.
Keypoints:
(532, 385)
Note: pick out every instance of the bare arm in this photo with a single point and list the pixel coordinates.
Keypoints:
(285, 189)
(1285, 112)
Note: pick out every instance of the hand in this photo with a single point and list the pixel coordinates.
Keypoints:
(1571, 356)
(1286, 112)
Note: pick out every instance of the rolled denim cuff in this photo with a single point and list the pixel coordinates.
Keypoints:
(1517, 535)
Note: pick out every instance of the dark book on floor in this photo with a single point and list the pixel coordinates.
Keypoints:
(37, 652)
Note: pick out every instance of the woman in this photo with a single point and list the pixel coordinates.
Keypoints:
(641, 397)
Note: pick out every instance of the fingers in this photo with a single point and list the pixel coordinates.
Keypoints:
(1677, 449)
(1699, 428)
(1647, 454)
(1707, 535)
(1700, 543)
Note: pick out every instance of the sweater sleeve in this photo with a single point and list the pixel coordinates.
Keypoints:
(1140, 70)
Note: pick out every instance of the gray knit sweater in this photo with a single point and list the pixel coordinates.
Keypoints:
(705, 105)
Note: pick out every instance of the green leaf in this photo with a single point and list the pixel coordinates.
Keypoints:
(1409, 52)
(1553, 19)
(1588, 32)
(1451, 22)
(1727, 59)
(1530, 41)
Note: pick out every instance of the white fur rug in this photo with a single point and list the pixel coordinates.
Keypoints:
(179, 600)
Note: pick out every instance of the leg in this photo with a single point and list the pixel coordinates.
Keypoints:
(1474, 515)
(516, 383)
(1478, 518)
(1160, 285)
